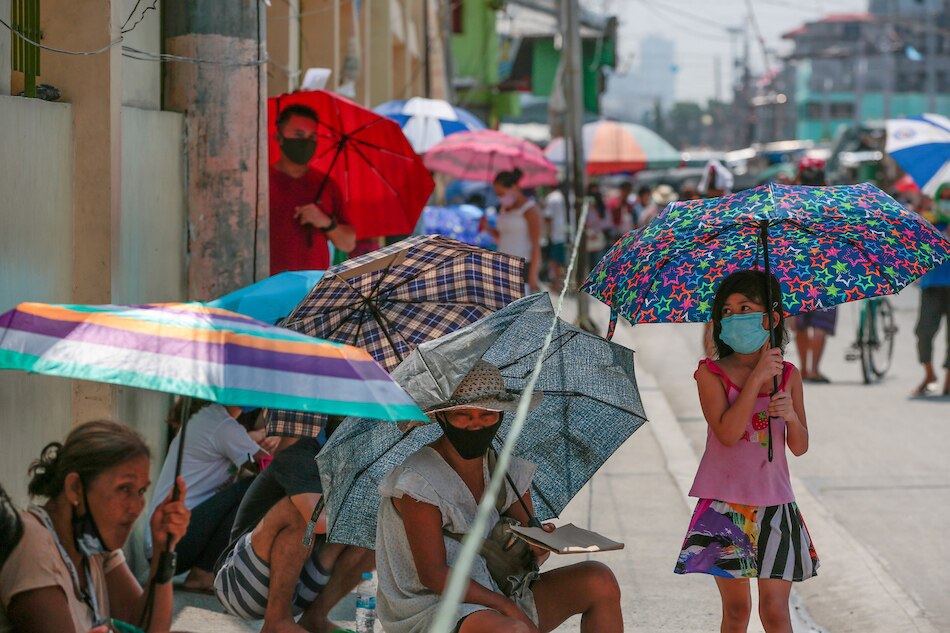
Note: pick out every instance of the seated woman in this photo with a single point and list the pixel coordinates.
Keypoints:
(217, 446)
(68, 573)
(436, 490)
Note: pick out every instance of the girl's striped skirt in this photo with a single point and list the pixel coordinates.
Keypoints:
(731, 540)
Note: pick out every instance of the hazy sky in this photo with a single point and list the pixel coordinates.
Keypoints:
(697, 27)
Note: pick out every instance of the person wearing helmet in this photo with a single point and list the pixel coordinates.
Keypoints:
(813, 328)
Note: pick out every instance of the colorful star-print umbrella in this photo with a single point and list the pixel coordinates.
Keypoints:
(826, 246)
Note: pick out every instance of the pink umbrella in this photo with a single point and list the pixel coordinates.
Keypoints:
(481, 154)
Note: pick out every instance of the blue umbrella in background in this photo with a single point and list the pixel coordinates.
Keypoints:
(271, 299)
(425, 122)
(921, 146)
(460, 222)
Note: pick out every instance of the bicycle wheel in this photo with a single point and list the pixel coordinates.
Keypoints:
(865, 336)
(883, 331)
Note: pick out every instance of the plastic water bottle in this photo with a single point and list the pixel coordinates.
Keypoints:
(366, 604)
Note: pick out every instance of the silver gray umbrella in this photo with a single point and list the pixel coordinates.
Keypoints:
(591, 406)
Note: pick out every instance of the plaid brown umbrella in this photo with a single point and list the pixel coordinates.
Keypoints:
(391, 300)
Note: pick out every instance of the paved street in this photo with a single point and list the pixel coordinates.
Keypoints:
(876, 466)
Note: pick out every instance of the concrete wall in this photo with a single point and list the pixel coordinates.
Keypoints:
(142, 80)
(36, 254)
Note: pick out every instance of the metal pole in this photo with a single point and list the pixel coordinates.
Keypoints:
(890, 61)
(931, 59)
(293, 45)
(573, 137)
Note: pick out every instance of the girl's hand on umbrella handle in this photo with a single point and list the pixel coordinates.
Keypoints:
(781, 406)
(483, 224)
(548, 527)
(170, 519)
(771, 364)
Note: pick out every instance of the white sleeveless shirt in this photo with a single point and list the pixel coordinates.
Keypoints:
(513, 235)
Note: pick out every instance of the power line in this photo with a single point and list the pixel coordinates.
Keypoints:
(152, 7)
(758, 34)
(134, 53)
(667, 18)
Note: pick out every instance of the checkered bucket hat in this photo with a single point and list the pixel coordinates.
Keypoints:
(484, 388)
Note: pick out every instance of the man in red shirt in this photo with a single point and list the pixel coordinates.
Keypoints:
(306, 207)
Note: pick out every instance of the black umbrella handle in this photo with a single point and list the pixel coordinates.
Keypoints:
(764, 236)
(532, 520)
(168, 559)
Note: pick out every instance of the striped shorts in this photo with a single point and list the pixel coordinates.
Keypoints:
(731, 540)
(242, 583)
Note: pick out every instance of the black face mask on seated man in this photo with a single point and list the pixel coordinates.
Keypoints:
(469, 444)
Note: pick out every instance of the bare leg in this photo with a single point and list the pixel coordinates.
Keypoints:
(277, 541)
(347, 564)
(736, 604)
(489, 621)
(803, 342)
(818, 340)
(930, 376)
(586, 588)
(773, 605)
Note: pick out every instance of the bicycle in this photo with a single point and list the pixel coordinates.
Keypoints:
(874, 340)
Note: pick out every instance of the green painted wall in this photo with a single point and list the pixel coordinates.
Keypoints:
(597, 54)
(475, 56)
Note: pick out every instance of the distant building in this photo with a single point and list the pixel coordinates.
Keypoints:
(848, 68)
(635, 95)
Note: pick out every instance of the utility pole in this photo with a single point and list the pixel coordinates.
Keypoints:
(717, 74)
(860, 74)
(931, 58)
(890, 68)
(225, 144)
(573, 138)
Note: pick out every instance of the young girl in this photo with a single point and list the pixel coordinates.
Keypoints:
(746, 523)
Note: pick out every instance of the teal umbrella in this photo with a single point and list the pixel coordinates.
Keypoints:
(271, 299)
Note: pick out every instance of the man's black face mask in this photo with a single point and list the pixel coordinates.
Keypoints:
(298, 150)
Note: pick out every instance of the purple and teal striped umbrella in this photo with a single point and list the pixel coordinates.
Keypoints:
(826, 246)
(193, 350)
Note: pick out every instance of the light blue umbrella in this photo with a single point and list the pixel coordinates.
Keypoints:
(921, 146)
(271, 299)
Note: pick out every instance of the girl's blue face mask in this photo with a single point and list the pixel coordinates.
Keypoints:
(744, 332)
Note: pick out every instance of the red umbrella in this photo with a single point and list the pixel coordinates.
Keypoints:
(383, 182)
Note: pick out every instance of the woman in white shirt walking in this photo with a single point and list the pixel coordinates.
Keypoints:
(518, 228)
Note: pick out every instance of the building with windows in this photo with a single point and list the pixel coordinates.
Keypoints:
(845, 69)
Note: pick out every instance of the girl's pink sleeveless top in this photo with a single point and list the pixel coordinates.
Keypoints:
(742, 473)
